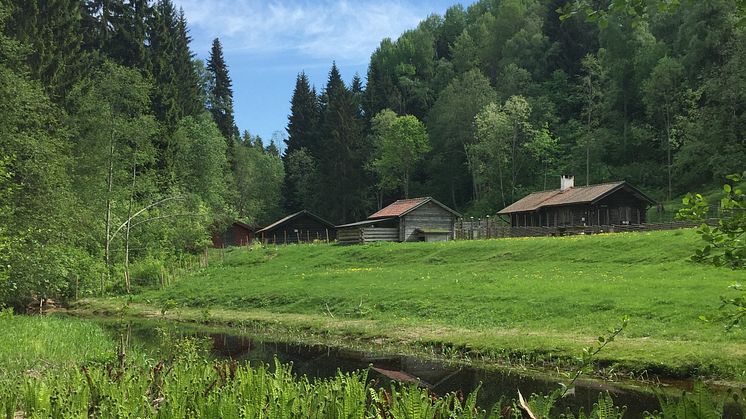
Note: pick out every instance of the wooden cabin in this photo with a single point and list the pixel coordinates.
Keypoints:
(301, 227)
(614, 203)
(417, 219)
(236, 234)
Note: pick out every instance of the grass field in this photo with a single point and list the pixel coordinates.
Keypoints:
(42, 344)
(535, 297)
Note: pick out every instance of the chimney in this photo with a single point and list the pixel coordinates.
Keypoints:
(567, 182)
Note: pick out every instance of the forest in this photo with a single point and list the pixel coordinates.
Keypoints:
(514, 93)
(120, 155)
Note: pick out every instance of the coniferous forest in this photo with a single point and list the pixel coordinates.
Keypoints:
(120, 153)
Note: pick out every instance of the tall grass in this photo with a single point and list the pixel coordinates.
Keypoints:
(68, 382)
(38, 344)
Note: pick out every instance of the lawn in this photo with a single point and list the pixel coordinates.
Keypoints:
(523, 297)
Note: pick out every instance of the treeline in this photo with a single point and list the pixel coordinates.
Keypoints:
(512, 96)
(119, 153)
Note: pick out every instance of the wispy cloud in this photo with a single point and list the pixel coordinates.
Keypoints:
(347, 31)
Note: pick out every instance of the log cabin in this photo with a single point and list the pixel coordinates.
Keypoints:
(301, 227)
(236, 234)
(613, 203)
(406, 220)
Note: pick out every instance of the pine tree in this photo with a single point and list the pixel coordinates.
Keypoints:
(99, 23)
(128, 44)
(302, 129)
(304, 117)
(162, 55)
(171, 63)
(189, 84)
(51, 32)
(221, 96)
(344, 153)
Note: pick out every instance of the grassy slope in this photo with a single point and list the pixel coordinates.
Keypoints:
(525, 296)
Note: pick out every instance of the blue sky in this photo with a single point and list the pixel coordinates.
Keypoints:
(267, 43)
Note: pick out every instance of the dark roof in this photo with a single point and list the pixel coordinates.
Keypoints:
(366, 222)
(294, 216)
(575, 195)
(405, 206)
(244, 225)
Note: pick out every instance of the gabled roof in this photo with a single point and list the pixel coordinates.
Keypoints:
(575, 195)
(405, 206)
(294, 216)
(244, 225)
(366, 222)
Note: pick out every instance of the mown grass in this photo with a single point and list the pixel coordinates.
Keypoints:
(532, 295)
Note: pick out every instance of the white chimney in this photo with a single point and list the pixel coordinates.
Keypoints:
(567, 182)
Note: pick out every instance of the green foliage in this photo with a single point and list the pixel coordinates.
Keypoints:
(220, 97)
(258, 183)
(50, 344)
(200, 163)
(401, 143)
(724, 243)
(700, 403)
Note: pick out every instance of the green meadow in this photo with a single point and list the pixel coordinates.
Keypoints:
(536, 299)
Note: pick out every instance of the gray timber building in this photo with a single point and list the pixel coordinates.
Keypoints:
(406, 220)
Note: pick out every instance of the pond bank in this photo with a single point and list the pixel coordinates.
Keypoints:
(554, 352)
(439, 376)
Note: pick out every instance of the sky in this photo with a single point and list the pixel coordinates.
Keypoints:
(267, 43)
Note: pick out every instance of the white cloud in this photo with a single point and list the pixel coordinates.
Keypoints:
(345, 30)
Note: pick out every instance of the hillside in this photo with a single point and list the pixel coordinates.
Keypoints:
(534, 297)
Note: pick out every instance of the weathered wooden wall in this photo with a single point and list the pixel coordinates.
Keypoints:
(428, 216)
(234, 235)
(302, 229)
(354, 235)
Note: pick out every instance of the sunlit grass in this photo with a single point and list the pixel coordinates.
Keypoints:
(37, 344)
(531, 294)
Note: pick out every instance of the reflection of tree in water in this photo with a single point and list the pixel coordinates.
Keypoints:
(317, 361)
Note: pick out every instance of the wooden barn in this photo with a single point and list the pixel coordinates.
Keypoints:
(614, 203)
(237, 234)
(417, 219)
(301, 227)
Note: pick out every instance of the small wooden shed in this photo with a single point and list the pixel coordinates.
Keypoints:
(236, 234)
(417, 219)
(301, 227)
(613, 203)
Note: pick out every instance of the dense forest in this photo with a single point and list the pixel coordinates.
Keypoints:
(117, 146)
(514, 93)
(120, 155)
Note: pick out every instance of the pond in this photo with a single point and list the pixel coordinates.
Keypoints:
(440, 377)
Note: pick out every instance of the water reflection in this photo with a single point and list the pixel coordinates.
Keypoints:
(439, 377)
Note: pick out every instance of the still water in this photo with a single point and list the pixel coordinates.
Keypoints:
(439, 377)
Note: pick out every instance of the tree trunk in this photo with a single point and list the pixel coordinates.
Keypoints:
(127, 282)
(668, 149)
(110, 187)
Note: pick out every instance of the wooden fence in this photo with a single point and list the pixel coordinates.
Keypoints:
(485, 229)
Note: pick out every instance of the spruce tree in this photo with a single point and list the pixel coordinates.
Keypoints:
(128, 43)
(343, 153)
(51, 32)
(304, 117)
(302, 132)
(162, 55)
(220, 100)
(189, 84)
(99, 23)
